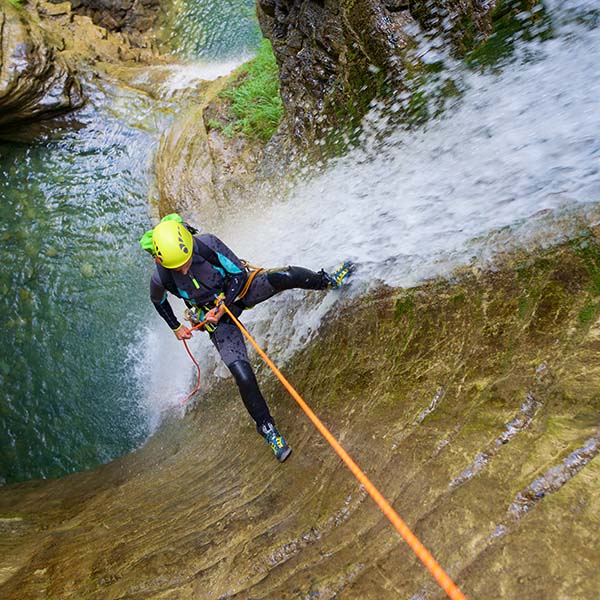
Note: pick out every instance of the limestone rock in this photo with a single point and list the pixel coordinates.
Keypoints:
(200, 169)
(477, 418)
(35, 82)
(55, 10)
(185, 167)
(335, 57)
(120, 15)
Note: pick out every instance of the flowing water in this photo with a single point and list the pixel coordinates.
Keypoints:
(72, 208)
(477, 418)
(214, 30)
(84, 382)
(510, 164)
(74, 282)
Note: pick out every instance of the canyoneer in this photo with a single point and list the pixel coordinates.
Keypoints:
(206, 274)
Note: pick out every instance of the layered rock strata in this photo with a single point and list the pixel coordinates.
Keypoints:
(35, 81)
(47, 50)
(472, 404)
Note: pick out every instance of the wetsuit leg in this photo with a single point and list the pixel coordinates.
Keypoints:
(269, 283)
(250, 392)
(297, 277)
(229, 342)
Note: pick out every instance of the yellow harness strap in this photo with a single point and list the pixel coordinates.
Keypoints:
(253, 273)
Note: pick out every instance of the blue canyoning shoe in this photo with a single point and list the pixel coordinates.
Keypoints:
(338, 276)
(276, 441)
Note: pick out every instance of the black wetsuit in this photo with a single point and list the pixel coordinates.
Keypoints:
(217, 270)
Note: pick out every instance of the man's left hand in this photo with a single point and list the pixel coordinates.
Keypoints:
(213, 315)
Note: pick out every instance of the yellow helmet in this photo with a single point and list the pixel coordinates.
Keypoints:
(172, 244)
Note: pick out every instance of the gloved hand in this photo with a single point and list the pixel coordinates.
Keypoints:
(213, 315)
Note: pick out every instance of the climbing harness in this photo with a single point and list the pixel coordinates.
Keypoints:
(191, 315)
(401, 527)
(252, 271)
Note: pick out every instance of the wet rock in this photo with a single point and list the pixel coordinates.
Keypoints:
(202, 170)
(35, 82)
(46, 52)
(185, 168)
(336, 57)
(120, 15)
(439, 399)
(54, 10)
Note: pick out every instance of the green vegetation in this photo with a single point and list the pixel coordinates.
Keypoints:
(405, 311)
(511, 19)
(256, 106)
(17, 3)
(428, 86)
(349, 99)
(588, 249)
(405, 307)
(589, 313)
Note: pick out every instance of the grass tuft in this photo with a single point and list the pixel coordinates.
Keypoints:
(256, 105)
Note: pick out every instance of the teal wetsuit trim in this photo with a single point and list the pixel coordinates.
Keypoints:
(230, 266)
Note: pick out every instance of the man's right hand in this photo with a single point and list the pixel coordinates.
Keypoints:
(183, 333)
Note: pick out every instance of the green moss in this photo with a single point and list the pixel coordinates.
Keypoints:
(589, 250)
(426, 85)
(523, 307)
(458, 299)
(589, 313)
(511, 19)
(255, 103)
(418, 108)
(469, 34)
(405, 307)
(350, 99)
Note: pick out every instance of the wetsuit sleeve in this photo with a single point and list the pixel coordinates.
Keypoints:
(158, 295)
(231, 264)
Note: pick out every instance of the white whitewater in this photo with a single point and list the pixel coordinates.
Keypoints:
(516, 154)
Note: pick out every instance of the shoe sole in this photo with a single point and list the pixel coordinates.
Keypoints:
(284, 454)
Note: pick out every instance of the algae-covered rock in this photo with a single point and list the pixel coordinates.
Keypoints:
(185, 167)
(46, 52)
(472, 404)
(35, 82)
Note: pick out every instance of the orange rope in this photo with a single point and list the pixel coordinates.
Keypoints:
(186, 399)
(187, 348)
(409, 537)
